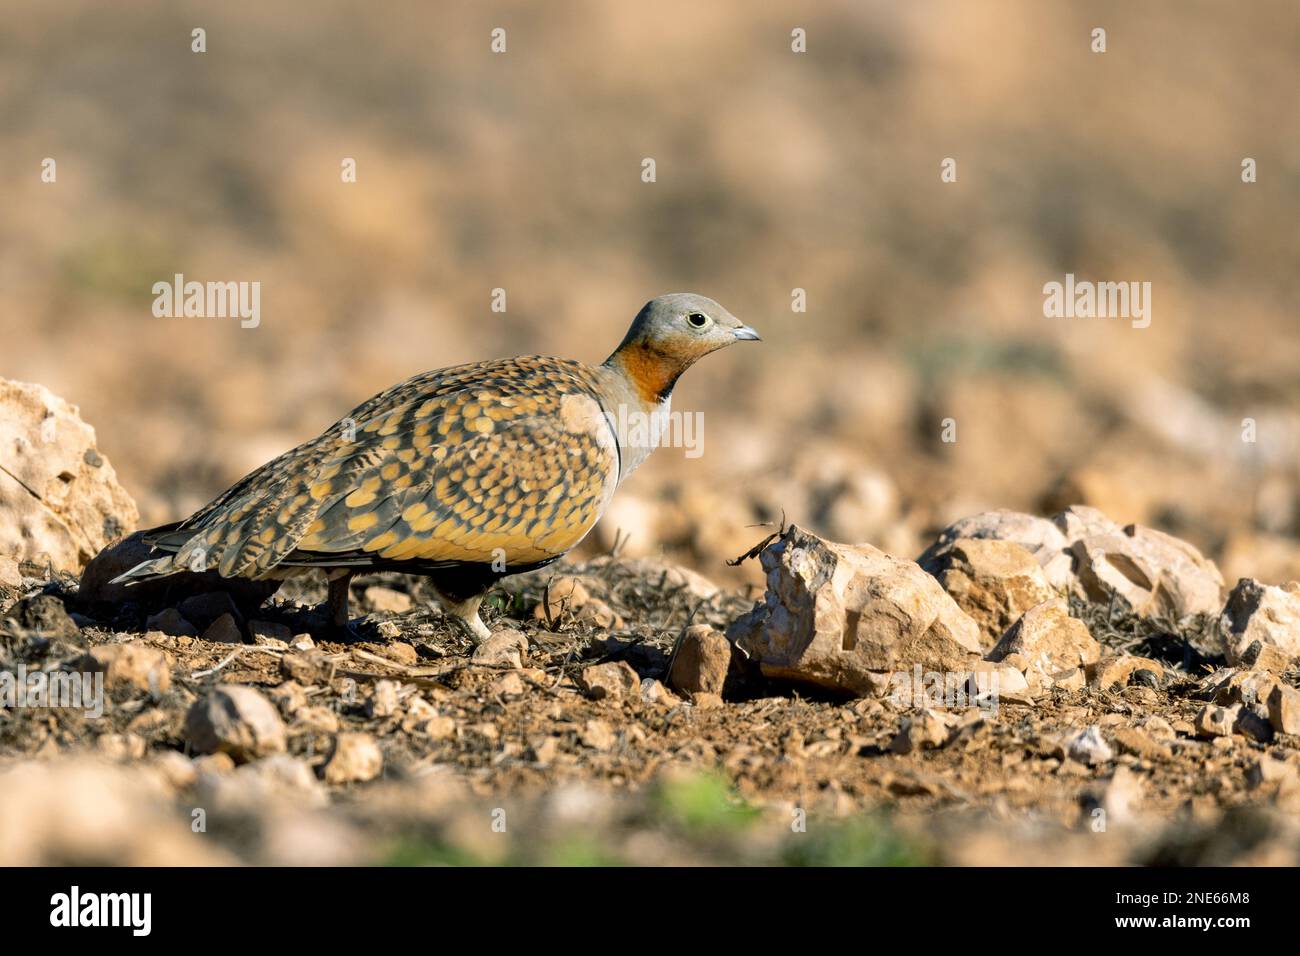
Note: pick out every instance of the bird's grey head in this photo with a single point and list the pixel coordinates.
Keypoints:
(685, 326)
(669, 334)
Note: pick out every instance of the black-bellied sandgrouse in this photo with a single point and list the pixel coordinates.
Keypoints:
(465, 474)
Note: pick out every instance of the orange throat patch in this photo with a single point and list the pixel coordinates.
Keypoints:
(651, 373)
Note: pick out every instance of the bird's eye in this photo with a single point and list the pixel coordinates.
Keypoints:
(697, 320)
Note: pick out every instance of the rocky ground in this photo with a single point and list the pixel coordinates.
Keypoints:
(627, 710)
(1029, 689)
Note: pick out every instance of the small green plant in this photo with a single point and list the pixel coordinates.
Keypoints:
(419, 851)
(704, 804)
(865, 841)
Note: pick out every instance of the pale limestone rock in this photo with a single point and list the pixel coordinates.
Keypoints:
(236, 720)
(1049, 640)
(701, 661)
(138, 666)
(838, 615)
(993, 581)
(356, 759)
(1154, 573)
(924, 730)
(1039, 536)
(1118, 670)
(992, 682)
(60, 500)
(1216, 721)
(613, 680)
(1083, 521)
(506, 647)
(1082, 550)
(1263, 614)
(1284, 709)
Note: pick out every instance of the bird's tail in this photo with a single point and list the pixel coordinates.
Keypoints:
(166, 541)
(147, 570)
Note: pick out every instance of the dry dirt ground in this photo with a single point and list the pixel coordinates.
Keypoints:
(487, 762)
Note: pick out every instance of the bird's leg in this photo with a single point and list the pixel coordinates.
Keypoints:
(467, 613)
(461, 591)
(339, 582)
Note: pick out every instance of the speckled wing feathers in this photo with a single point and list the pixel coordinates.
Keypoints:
(511, 460)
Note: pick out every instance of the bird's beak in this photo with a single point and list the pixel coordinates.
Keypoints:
(745, 334)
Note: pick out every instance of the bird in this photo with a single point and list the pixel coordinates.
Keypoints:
(464, 475)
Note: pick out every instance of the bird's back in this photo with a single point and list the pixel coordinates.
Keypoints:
(510, 461)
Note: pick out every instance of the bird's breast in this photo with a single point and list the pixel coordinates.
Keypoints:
(639, 428)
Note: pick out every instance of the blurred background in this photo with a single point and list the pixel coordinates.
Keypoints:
(775, 171)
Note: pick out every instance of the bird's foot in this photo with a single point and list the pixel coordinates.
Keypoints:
(465, 613)
(475, 629)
